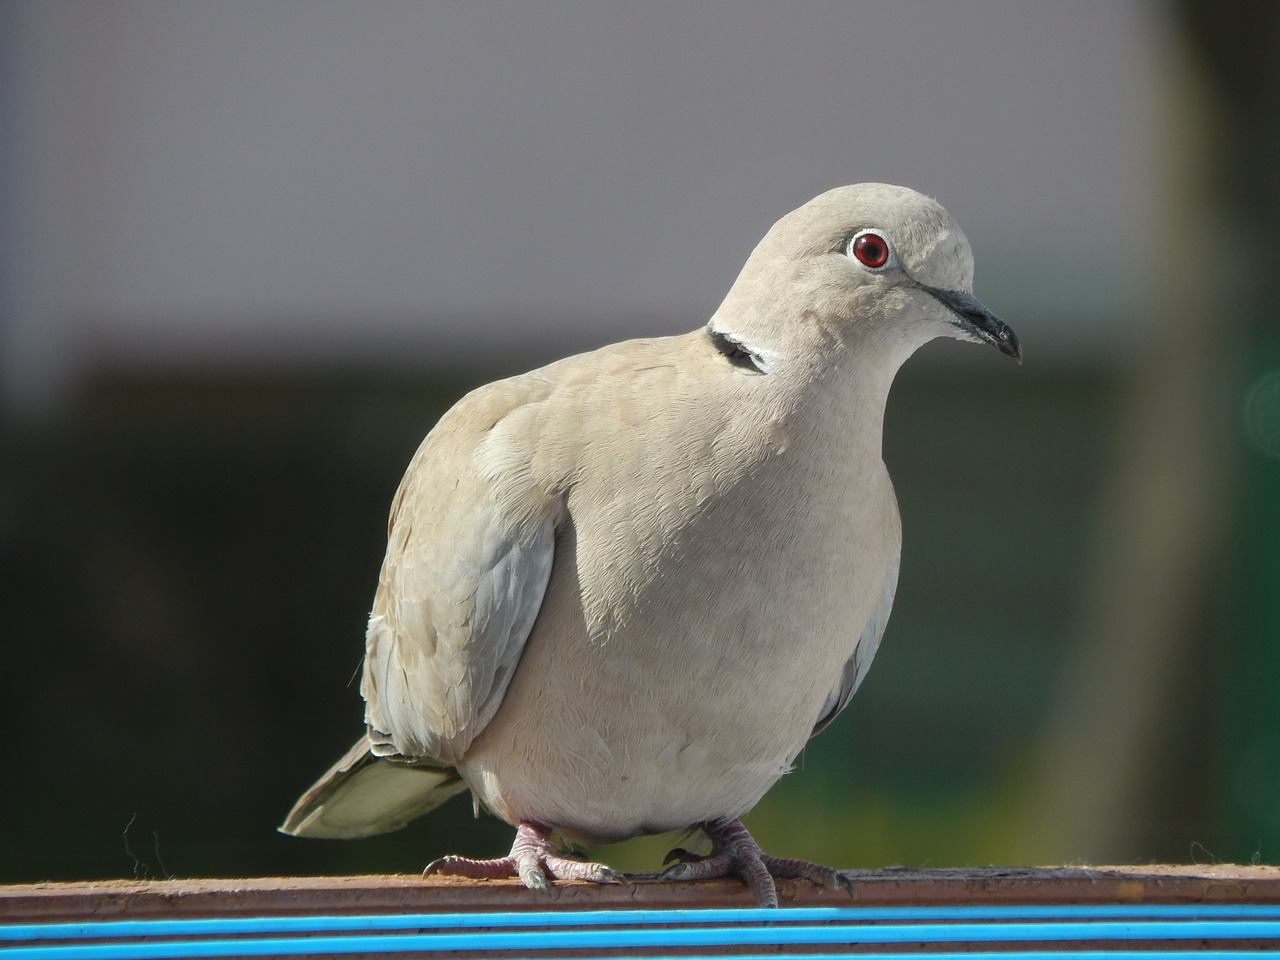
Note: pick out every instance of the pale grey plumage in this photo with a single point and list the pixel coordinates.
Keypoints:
(622, 591)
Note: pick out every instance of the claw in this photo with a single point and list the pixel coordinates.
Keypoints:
(682, 855)
(533, 877)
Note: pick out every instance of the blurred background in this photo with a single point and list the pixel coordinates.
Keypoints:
(250, 252)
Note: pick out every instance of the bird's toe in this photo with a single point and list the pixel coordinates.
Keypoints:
(829, 877)
(455, 866)
(566, 868)
(735, 853)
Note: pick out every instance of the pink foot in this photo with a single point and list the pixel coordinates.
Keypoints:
(532, 859)
(735, 853)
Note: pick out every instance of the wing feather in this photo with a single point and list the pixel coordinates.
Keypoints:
(855, 669)
(469, 554)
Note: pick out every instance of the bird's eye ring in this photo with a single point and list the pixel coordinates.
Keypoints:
(870, 249)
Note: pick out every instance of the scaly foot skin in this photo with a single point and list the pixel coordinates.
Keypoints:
(735, 853)
(532, 858)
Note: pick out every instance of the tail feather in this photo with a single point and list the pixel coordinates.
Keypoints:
(362, 795)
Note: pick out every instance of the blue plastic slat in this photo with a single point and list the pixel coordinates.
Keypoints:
(118, 951)
(651, 938)
(454, 921)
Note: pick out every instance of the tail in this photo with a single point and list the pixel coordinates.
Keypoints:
(362, 795)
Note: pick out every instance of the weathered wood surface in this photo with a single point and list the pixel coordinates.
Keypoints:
(107, 899)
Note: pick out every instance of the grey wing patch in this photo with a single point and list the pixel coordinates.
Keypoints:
(469, 555)
(432, 683)
(857, 666)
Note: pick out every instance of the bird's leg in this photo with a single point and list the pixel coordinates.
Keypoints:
(532, 858)
(735, 852)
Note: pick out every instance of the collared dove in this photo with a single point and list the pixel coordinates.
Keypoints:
(622, 591)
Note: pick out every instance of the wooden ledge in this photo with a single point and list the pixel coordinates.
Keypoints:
(279, 896)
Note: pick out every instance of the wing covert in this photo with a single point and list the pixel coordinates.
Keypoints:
(468, 558)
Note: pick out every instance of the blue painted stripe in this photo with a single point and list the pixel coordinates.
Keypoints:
(942, 955)
(651, 938)
(214, 926)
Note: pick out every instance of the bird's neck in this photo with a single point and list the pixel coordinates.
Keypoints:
(831, 381)
(841, 401)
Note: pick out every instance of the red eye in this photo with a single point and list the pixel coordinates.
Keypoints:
(870, 249)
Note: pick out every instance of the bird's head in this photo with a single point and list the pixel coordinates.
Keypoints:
(871, 268)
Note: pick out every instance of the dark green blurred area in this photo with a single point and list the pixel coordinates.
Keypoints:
(189, 565)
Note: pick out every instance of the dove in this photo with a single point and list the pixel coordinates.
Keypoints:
(621, 592)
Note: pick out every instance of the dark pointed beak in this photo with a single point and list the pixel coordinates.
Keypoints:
(972, 316)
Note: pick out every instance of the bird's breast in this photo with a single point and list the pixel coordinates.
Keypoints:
(699, 615)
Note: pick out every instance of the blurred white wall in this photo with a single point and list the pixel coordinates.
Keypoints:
(217, 181)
